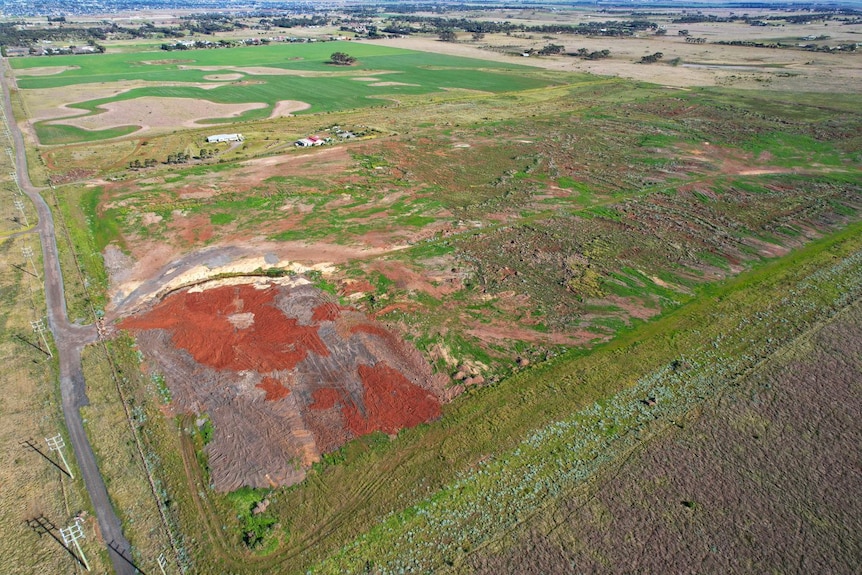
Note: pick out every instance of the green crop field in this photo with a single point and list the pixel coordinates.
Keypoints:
(307, 78)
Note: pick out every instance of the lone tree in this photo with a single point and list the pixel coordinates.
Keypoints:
(551, 49)
(447, 36)
(341, 59)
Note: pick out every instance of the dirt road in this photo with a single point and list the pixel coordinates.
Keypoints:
(69, 340)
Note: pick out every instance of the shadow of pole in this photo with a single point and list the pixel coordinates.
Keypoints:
(26, 271)
(116, 549)
(42, 526)
(31, 344)
(29, 443)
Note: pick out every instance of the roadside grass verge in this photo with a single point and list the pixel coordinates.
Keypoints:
(84, 275)
(147, 511)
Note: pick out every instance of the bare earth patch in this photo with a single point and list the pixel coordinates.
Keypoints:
(44, 70)
(223, 77)
(272, 71)
(285, 373)
(51, 103)
(158, 113)
(288, 107)
(382, 84)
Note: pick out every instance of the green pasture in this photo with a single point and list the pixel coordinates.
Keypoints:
(324, 86)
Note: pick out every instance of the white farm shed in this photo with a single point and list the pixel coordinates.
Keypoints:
(224, 138)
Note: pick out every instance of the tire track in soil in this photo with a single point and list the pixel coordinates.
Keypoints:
(227, 553)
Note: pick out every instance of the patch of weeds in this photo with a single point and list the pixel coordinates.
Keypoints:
(601, 212)
(105, 226)
(220, 219)
(256, 523)
(416, 221)
(842, 209)
(206, 429)
(316, 278)
(161, 387)
(713, 260)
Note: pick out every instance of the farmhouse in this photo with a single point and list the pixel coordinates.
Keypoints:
(309, 141)
(224, 138)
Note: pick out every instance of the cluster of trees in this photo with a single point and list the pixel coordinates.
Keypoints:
(652, 58)
(551, 49)
(16, 34)
(341, 59)
(806, 47)
(596, 55)
(691, 40)
(178, 158)
(202, 44)
(445, 25)
(295, 22)
(448, 35)
(211, 23)
(840, 14)
(137, 164)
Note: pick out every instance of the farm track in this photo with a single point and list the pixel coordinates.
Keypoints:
(226, 552)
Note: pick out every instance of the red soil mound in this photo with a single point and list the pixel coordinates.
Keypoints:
(340, 376)
(201, 324)
(357, 287)
(324, 398)
(391, 402)
(273, 388)
(327, 312)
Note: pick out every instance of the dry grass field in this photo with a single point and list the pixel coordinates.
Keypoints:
(685, 65)
(754, 481)
(33, 489)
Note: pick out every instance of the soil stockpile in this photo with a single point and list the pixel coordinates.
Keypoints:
(284, 373)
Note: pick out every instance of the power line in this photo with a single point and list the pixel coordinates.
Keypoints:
(20, 206)
(72, 534)
(57, 444)
(39, 327)
(27, 251)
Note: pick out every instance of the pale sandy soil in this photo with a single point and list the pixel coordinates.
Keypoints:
(384, 84)
(44, 70)
(154, 269)
(53, 103)
(288, 107)
(270, 71)
(150, 112)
